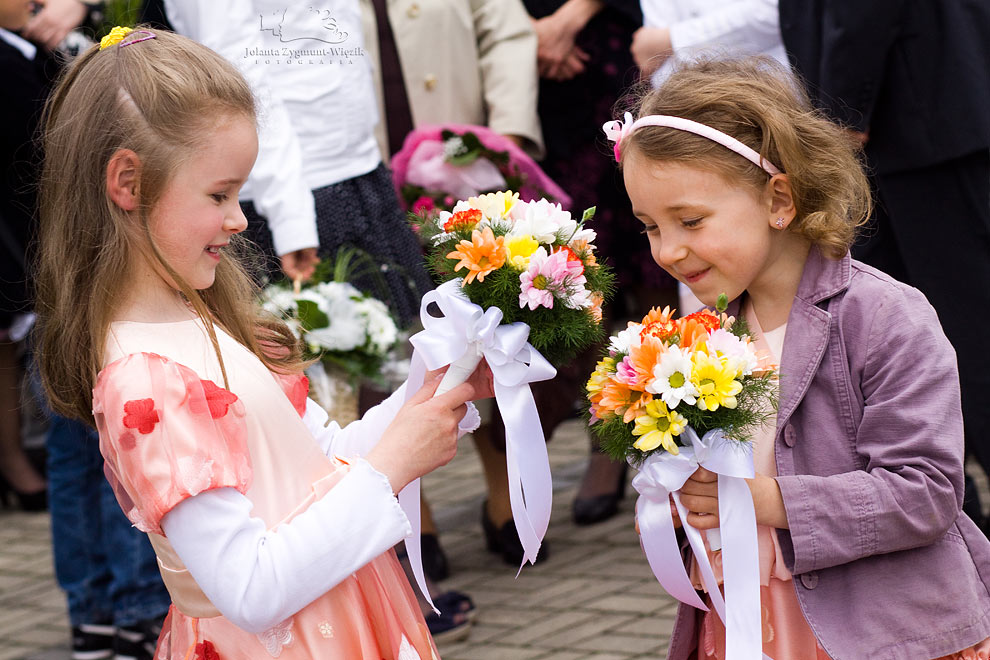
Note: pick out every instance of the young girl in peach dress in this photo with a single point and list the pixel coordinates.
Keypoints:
(744, 190)
(272, 526)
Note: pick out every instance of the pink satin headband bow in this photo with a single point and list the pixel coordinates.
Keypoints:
(617, 130)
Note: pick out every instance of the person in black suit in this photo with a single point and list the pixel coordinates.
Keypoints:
(911, 80)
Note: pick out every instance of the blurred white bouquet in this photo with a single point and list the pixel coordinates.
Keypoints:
(338, 324)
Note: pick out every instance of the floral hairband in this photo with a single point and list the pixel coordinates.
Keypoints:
(117, 34)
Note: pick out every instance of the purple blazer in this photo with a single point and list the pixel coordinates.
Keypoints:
(869, 453)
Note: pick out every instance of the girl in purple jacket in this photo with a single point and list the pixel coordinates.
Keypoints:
(743, 189)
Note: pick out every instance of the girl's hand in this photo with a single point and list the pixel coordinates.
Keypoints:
(699, 495)
(423, 435)
(482, 381)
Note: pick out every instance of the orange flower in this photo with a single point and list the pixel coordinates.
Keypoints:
(643, 358)
(481, 255)
(463, 220)
(659, 324)
(694, 328)
(584, 251)
(597, 300)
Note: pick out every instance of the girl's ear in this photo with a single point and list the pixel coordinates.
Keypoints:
(782, 209)
(123, 179)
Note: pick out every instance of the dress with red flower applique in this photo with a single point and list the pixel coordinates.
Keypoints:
(169, 430)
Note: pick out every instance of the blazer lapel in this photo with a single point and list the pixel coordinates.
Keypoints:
(808, 328)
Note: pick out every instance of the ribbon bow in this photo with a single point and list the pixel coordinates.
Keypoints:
(615, 130)
(661, 476)
(461, 337)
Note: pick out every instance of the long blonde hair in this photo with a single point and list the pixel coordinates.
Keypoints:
(158, 98)
(760, 104)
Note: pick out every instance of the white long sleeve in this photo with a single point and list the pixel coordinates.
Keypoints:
(357, 438)
(277, 184)
(257, 577)
(732, 27)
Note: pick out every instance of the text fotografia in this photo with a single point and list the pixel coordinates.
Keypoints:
(303, 55)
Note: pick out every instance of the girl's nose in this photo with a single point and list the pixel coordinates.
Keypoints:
(669, 252)
(236, 221)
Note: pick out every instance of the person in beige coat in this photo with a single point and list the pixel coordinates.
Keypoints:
(463, 62)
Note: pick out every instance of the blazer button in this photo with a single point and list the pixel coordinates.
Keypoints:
(430, 82)
(413, 11)
(789, 435)
(809, 579)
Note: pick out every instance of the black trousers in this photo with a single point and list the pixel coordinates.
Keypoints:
(931, 229)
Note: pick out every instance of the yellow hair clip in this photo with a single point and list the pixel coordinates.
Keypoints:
(115, 37)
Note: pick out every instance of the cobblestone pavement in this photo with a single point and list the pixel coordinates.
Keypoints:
(591, 598)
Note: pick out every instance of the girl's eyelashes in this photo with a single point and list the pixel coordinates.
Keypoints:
(691, 222)
(219, 198)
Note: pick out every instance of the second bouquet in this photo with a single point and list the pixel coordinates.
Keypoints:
(673, 395)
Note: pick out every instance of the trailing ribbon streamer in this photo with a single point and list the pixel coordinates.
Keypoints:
(466, 333)
(662, 475)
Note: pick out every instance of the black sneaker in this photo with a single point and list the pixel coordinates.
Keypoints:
(92, 642)
(137, 642)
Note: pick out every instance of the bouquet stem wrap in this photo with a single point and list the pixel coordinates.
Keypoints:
(662, 475)
(464, 334)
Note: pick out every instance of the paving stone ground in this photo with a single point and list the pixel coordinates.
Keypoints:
(592, 598)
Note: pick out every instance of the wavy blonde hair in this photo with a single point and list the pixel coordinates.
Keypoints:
(758, 102)
(159, 98)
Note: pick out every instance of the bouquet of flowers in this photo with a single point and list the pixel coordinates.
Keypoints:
(351, 334)
(673, 395)
(530, 260)
(438, 165)
(664, 375)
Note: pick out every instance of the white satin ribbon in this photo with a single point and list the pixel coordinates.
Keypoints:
(662, 475)
(466, 328)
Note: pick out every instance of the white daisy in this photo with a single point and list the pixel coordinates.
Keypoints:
(621, 342)
(672, 378)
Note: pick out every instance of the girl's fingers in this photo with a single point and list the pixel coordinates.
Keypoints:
(702, 521)
(696, 504)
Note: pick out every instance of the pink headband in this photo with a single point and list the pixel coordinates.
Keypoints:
(617, 130)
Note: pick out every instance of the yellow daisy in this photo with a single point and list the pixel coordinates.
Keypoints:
(714, 378)
(658, 427)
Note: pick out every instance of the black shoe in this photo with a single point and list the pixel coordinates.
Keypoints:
(448, 627)
(505, 539)
(434, 559)
(137, 642)
(92, 642)
(30, 502)
(456, 601)
(591, 510)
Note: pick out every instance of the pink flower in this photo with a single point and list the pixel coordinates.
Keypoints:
(423, 205)
(546, 275)
(625, 373)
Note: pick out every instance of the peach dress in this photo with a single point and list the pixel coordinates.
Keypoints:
(168, 431)
(786, 633)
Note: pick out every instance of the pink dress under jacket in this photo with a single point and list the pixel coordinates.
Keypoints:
(786, 633)
(169, 430)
